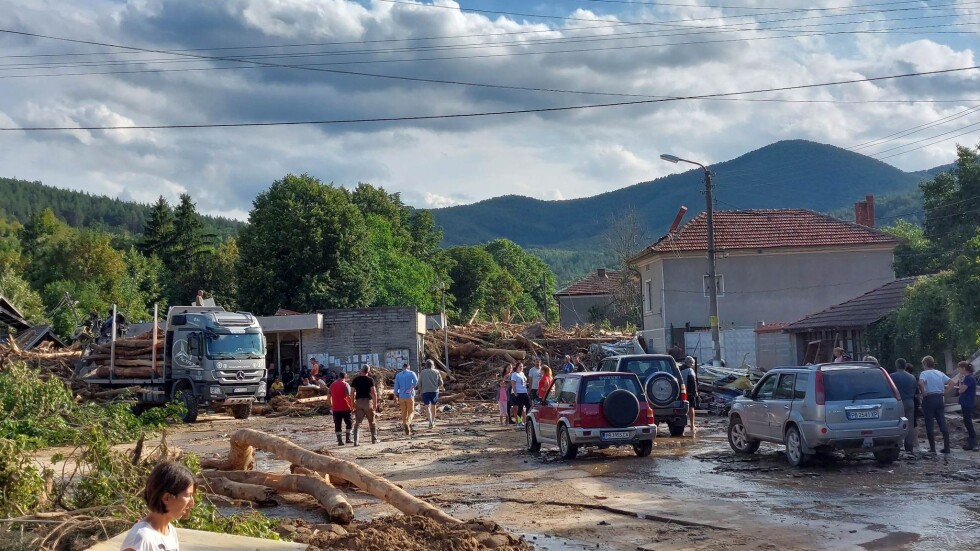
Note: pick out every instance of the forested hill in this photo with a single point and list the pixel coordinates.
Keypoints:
(794, 173)
(22, 199)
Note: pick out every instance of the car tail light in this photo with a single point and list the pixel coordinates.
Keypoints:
(683, 393)
(651, 420)
(891, 383)
(821, 398)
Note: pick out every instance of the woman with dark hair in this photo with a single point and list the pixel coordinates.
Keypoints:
(169, 495)
(503, 395)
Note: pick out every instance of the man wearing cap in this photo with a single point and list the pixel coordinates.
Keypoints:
(405, 383)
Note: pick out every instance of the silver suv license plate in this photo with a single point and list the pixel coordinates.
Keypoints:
(615, 435)
(863, 414)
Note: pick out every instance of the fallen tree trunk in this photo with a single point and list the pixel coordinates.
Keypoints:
(331, 499)
(222, 484)
(242, 456)
(126, 372)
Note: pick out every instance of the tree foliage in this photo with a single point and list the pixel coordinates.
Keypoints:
(305, 248)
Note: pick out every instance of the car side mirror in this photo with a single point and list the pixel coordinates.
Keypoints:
(747, 393)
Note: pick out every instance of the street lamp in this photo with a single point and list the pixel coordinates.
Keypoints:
(712, 281)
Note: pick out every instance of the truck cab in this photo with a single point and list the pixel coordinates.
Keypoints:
(214, 359)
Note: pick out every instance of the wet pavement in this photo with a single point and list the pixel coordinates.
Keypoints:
(692, 493)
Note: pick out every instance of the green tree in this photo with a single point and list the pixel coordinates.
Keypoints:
(532, 275)
(472, 271)
(159, 233)
(305, 248)
(19, 292)
(915, 254)
(924, 324)
(949, 200)
(11, 255)
(399, 278)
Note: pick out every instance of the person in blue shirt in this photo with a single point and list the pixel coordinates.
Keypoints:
(405, 382)
(967, 390)
(568, 366)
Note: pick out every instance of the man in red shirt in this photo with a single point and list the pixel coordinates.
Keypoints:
(341, 404)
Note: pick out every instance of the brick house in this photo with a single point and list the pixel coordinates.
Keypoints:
(590, 299)
(773, 265)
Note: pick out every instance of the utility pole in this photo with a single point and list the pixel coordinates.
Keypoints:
(712, 283)
(445, 326)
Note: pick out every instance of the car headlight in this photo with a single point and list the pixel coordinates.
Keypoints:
(261, 391)
(215, 390)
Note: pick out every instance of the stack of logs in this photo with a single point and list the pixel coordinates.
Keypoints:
(478, 352)
(133, 358)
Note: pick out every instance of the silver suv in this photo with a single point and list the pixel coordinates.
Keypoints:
(852, 407)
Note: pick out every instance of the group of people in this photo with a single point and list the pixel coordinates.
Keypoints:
(428, 383)
(927, 394)
(519, 390)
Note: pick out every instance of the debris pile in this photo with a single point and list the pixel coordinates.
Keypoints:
(477, 352)
(133, 358)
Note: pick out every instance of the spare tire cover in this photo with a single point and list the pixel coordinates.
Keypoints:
(662, 389)
(620, 408)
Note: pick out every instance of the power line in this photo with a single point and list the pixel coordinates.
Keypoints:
(492, 113)
(914, 129)
(924, 139)
(932, 143)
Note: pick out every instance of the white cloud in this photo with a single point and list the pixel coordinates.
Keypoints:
(552, 155)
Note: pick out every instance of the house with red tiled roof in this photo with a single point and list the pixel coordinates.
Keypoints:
(773, 265)
(591, 300)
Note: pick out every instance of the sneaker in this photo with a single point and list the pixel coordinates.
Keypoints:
(520, 425)
(944, 450)
(432, 424)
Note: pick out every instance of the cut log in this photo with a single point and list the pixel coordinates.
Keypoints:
(219, 483)
(244, 441)
(126, 372)
(331, 499)
(125, 362)
(128, 343)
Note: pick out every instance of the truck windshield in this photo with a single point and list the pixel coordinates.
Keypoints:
(238, 346)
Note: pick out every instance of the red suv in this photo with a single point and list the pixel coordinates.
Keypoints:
(593, 409)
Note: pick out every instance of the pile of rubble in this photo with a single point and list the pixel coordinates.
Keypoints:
(479, 351)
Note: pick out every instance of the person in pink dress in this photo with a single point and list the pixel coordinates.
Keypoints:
(503, 395)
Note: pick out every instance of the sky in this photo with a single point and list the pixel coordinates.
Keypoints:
(187, 62)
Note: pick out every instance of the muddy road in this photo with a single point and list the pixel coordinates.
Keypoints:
(691, 493)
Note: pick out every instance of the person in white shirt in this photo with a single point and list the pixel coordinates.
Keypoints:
(932, 383)
(169, 495)
(534, 377)
(518, 386)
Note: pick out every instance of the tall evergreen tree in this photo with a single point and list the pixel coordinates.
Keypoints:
(159, 232)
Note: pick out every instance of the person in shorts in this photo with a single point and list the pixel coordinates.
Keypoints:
(365, 402)
(405, 382)
(689, 378)
(430, 381)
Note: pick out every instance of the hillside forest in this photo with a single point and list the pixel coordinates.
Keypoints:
(307, 246)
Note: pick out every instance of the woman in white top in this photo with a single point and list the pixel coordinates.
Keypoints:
(169, 494)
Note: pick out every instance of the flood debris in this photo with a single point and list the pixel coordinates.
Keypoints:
(408, 533)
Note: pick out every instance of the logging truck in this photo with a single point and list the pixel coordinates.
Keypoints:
(207, 358)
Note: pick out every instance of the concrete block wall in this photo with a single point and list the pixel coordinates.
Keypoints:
(355, 336)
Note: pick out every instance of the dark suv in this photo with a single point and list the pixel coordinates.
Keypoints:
(662, 381)
(592, 409)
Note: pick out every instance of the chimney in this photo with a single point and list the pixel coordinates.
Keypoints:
(677, 220)
(864, 211)
(601, 272)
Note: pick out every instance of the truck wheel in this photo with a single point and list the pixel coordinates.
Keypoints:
(533, 445)
(565, 446)
(241, 411)
(186, 397)
(643, 448)
(677, 429)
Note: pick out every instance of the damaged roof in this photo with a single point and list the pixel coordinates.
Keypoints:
(10, 315)
(858, 312)
(599, 282)
(768, 229)
(29, 338)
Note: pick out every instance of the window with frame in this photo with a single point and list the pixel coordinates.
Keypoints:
(554, 390)
(784, 390)
(649, 293)
(568, 393)
(766, 388)
(719, 284)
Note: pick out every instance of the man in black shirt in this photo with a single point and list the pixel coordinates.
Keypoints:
(365, 402)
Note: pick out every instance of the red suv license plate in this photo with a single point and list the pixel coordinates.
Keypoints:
(620, 435)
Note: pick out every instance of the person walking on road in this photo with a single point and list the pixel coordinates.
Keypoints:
(545, 383)
(405, 383)
(689, 378)
(503, 396)
(341, 404)
(518, 386)
(932, 384)
(907, 387)
(430, 381)
(967, 390)
(534, 377)
(365, 403)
